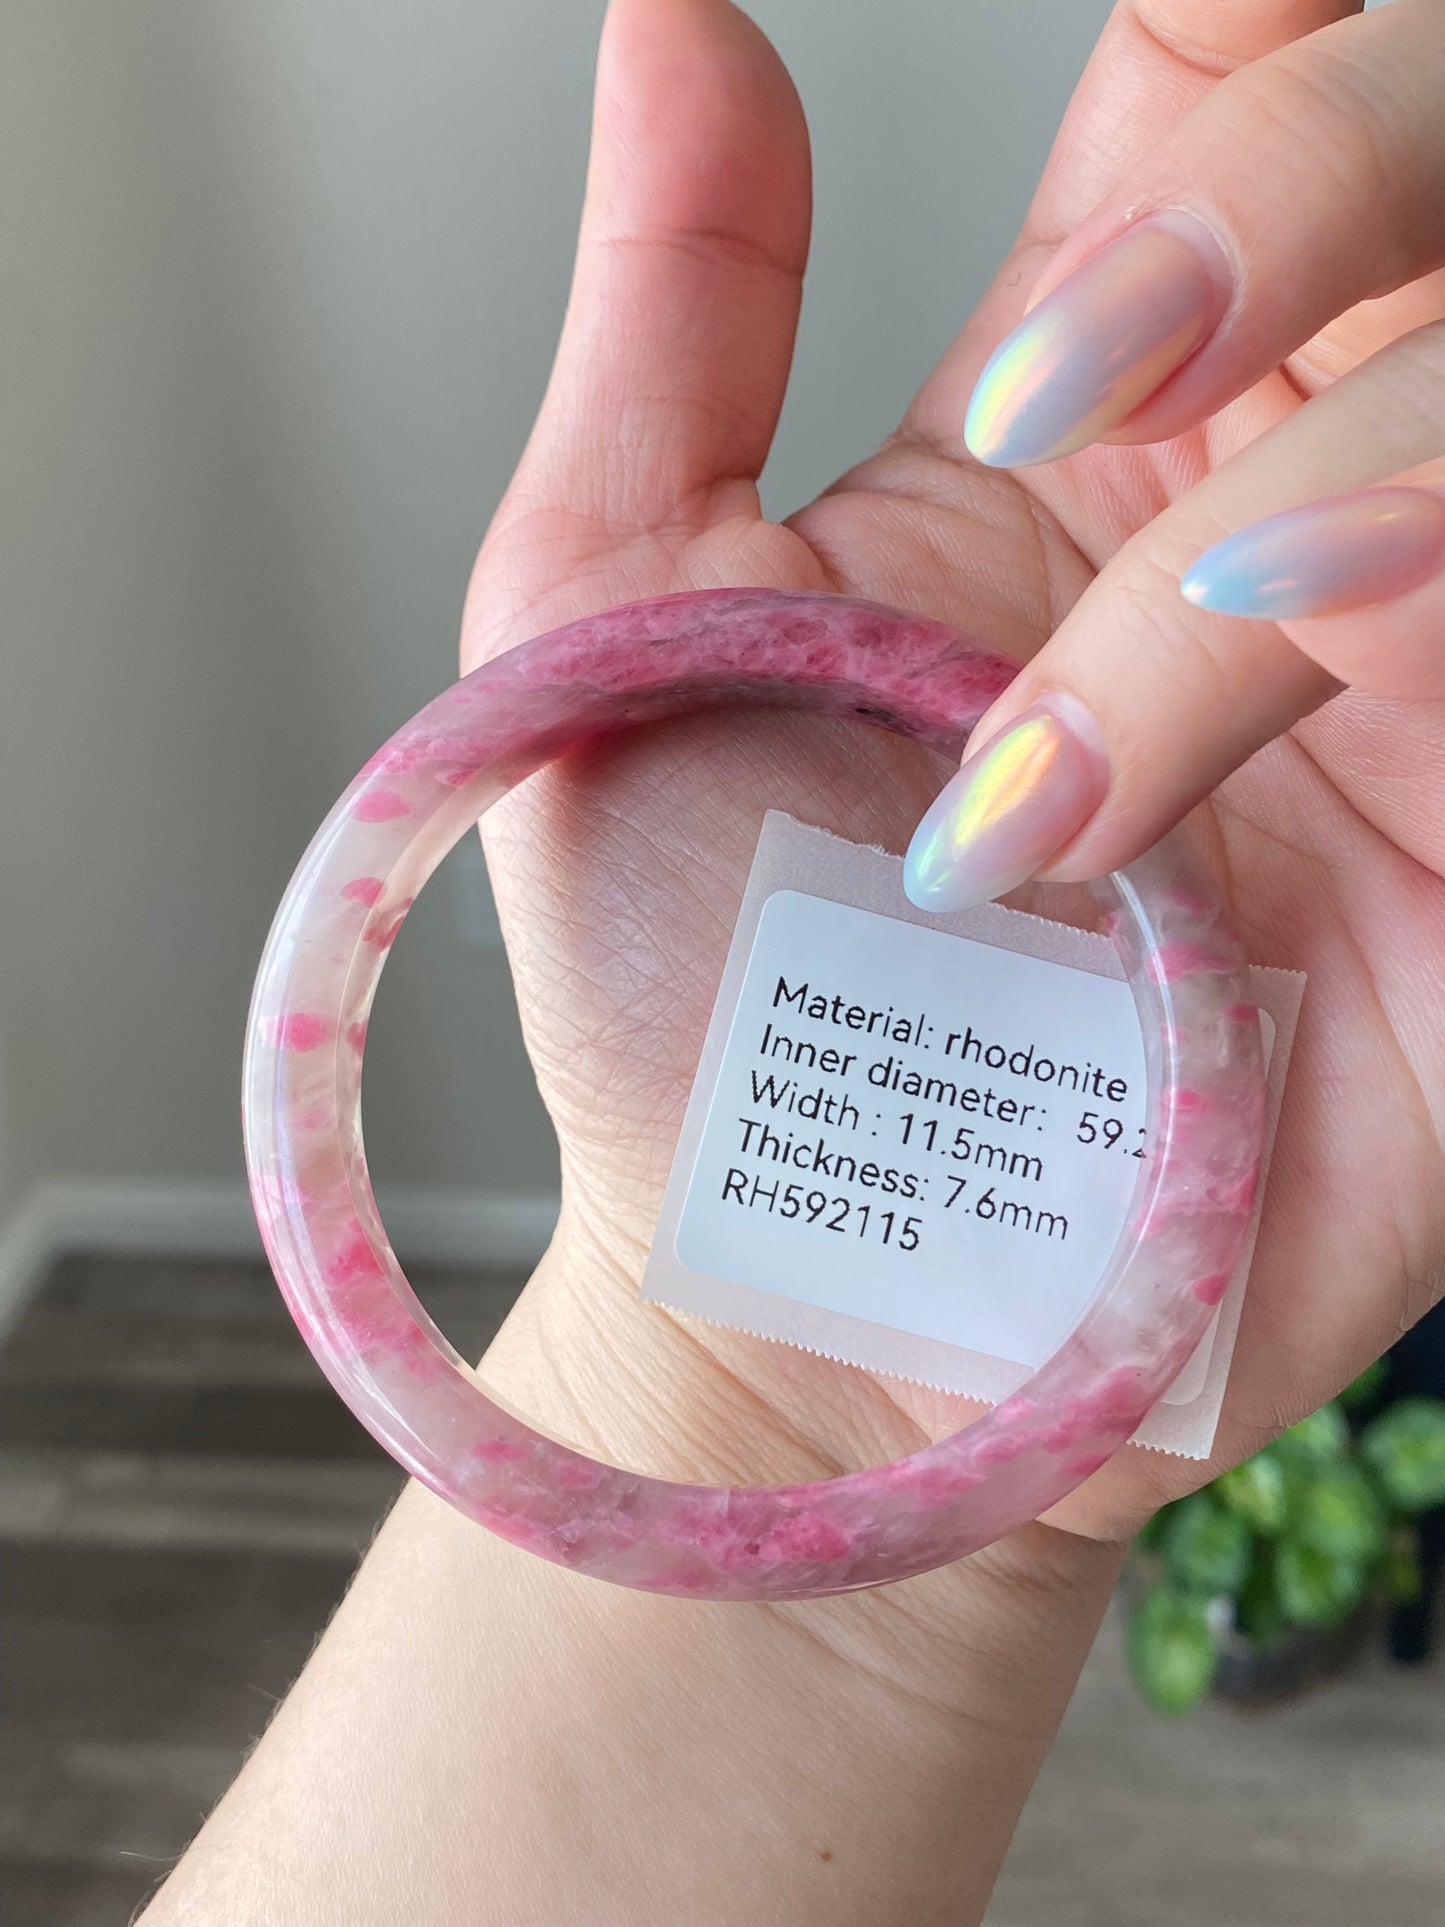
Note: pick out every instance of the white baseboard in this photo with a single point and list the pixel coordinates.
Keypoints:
(200, 1218)
(26, 1254)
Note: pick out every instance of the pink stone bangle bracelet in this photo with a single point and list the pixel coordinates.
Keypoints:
(376, 1344)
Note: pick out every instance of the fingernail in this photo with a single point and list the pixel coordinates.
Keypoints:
(1100, 343)
(1342, 553)
(1005, 813)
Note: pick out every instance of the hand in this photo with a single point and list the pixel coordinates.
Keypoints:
(1317, 161)
(480, 1729)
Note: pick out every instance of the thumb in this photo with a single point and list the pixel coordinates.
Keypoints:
(675, 351)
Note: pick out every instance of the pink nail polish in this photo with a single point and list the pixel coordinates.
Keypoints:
(1100, 343)
(1342, 553)
(1006, 812)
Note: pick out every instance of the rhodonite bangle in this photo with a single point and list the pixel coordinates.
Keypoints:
(313, 1198)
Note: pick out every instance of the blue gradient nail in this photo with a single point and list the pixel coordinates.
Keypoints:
(1342, 553)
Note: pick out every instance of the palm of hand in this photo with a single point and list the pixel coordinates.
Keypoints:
(619, 877)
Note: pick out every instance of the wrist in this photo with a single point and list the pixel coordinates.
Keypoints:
(574, 1751)
(638, 1387)
(865, 1758)
(854, 1762)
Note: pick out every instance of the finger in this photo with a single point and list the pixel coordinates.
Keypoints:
(679, 330)
(1142, 702)
(1364, 330)
(1356, 582)
(1156, 60)
(1303, 184)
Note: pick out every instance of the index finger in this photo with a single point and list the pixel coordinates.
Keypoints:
(1155, 61)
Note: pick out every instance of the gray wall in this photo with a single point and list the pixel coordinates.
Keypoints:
(281, 283)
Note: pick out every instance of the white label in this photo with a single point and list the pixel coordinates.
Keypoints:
(905, 1119)
(907, 1147)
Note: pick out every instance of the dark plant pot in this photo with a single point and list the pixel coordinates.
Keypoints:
(1251, 1675)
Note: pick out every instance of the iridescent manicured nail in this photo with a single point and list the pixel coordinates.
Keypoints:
(1338, 554)
(1100, 343)
(1005, 813)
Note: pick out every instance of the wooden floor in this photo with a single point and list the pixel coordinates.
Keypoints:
(1326, 1813)
(182, 1500)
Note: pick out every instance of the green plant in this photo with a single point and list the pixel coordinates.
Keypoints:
(1296, 1537)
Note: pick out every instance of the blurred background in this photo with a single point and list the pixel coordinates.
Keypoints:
(281, 281)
